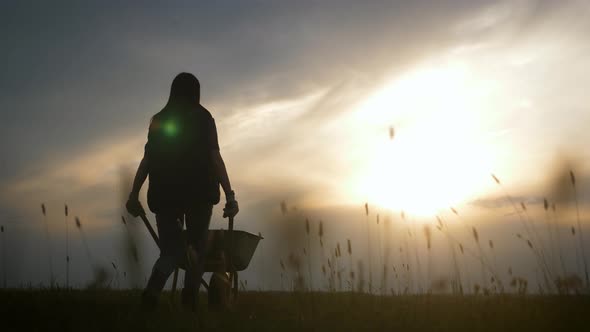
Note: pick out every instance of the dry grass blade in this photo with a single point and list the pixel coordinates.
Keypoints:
(496, 179)
(545, 204)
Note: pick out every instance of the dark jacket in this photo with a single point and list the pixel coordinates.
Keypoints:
(179, 156)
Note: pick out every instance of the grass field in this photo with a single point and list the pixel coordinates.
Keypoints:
(110, 310)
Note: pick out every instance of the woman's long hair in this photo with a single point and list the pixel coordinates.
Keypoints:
(185, 93)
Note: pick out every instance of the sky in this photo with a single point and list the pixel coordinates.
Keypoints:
(326, 105)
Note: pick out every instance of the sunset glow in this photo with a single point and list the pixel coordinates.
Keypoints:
(436, 158)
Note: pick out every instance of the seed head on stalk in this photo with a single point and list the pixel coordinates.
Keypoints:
(496, 179)
(48, 239)
(4, 272)
(428, 236)
(545, 204)
(66, 213)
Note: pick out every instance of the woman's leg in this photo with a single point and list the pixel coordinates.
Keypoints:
(197, 224)
(171, 254)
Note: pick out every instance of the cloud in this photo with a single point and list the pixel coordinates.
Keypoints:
(83, 80)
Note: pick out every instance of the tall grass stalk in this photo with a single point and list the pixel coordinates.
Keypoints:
(380, 250)
(116, 276)
(580, 229)
(89, 255)
(406, 251)
(540, 260)
(558, 240)
(577, 251)
(338, 268)
(369, 251)
(262, 271)
(495, 262)
(309, 255)
(322, 252)
(417, 257)
(4, 272)
(457, 284)
(428, 237)
(48, 239)
(470, 252)
(66, 213)
(552, 251)
(466, 279)
(351, 271)
(545, 267)
(283, 272)
(472, 231)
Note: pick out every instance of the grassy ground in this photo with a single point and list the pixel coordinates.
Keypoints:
(109, 310)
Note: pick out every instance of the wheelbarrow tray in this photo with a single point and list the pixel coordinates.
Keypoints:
(244, 245)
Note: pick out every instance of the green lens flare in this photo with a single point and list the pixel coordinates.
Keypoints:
(170, 128)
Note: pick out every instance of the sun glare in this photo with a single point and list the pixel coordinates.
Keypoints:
(437, 157)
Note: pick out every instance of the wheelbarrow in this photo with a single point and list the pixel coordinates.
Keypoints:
(228, 252)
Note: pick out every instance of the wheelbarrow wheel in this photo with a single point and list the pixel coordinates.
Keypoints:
(220, 291)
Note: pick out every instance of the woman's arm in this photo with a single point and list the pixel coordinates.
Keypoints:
(140, 176)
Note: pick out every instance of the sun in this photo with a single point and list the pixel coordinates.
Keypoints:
(437, 157)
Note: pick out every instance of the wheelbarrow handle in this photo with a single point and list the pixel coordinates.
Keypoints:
(150, 229)
(230, 263)
(230, 241)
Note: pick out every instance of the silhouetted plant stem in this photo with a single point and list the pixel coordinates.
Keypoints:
(369, 248)
(48, 239)
(351, 272)
(558, 240)
(380, 250)
(540, 260)
(307, 229)
(85, 242)
(457, 285)
(67, 247)
(581, 234)
(4, 272)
